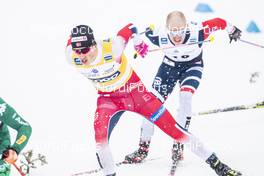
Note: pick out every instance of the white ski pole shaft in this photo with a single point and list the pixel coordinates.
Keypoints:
(181, 45)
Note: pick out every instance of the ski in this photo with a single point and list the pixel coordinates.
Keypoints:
(173, 167)
(177, 156)
(232, 108)
(93, 171)
(118, 164)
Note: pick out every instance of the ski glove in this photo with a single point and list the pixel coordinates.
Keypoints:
(141, 49)
(9, 155)
(235, 34)
(150, 28)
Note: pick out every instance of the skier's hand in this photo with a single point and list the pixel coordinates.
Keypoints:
(9, 155)
(140, 46)
(150, 28)
(235, 34)
(4, 168)
(141, 49)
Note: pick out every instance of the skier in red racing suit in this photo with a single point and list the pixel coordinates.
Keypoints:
(120, 89)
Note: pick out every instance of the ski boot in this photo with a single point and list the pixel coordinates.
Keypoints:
(139, 155)
(220, 168)
(177, 156)
(177, 152)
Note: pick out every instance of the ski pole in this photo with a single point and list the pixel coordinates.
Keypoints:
(150, 28)
(19, 170)
(211, 39)
(251, 43)
(90, 172)
(232, 108)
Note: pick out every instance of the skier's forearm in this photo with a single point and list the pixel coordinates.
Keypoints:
(215, 24)
(12, 119)
(22, 138)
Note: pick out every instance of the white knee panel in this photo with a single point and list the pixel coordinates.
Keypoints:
(185, 108)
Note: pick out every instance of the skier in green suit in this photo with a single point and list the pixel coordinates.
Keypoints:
(9, 153)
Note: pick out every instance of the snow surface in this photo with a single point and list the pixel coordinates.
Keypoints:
(60, 103)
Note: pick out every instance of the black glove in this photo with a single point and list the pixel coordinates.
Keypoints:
(235, 35)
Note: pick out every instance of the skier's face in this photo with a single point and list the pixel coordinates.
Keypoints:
(87, 55)
(177, 32)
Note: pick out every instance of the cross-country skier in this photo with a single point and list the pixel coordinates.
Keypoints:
(120, 89)
(181, 64)
(9, 153)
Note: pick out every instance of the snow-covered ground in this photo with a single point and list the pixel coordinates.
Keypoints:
(60, 103)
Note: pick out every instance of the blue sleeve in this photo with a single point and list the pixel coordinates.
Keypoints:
(201, 37)
(153, 38)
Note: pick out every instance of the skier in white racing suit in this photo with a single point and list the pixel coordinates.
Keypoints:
(181, 64)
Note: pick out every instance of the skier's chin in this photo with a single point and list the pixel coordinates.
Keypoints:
(177, 40)
(84, 61)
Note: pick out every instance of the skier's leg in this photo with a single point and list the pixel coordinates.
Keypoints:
(147, 130)
(189, 82)
(165, 81)
(185, 109)
(106, 117)
(159, 115)
(220, 168)
(162, 85)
